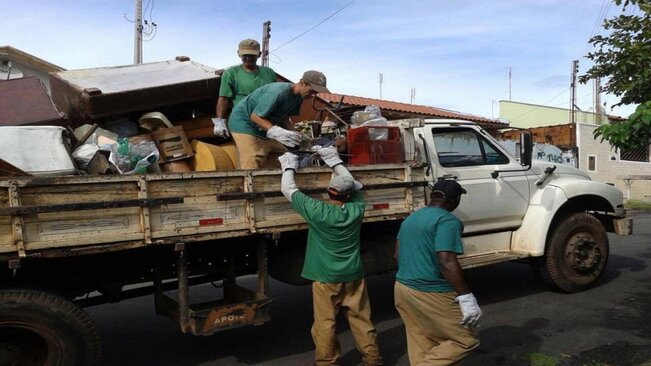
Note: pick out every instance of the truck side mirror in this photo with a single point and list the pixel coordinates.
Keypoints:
(526, 148)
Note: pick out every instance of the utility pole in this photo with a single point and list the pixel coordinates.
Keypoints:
(137, 40)
(381, 80)
(266, 34)
(597, 101)
(575, 71)
(509, 83)
(413, 95)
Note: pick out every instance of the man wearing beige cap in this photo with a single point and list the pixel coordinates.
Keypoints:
(333, 260)
(256, 121)
(239, 81)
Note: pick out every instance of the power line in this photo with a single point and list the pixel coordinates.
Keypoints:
(603, 12)
(542, 105)
(318, 24)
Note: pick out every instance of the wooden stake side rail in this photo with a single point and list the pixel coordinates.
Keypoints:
(63, 216)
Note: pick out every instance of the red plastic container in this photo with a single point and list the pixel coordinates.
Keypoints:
(364, 150)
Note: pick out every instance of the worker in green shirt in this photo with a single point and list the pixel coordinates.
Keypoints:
(239, 81)
(333, 260)
(431, 293)
(256, 121)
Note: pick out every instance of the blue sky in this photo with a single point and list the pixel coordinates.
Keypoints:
(455, 54)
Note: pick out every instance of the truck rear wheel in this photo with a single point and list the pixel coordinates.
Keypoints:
(38, 328)
(576, 253)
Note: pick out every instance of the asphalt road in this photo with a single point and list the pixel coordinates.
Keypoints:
(524, 323)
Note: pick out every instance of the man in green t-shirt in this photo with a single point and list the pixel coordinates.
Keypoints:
(256, 120)
(333, 260)
(239, 81)
(430, 282)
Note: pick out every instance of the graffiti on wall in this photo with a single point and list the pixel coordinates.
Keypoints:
(544, 152)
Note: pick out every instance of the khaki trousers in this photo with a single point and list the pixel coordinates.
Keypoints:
(255, 152)
(434, 335)
(352, 299)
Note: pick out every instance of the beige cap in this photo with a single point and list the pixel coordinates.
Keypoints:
(317, 81)
(248, 47)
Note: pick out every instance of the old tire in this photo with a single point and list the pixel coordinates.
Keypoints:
(39, 328)
(576, 253)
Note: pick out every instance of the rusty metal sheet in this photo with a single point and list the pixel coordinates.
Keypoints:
(92, 94)
(25, 101)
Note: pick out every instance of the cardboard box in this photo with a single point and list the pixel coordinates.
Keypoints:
(179, 166)
(197, 128)
(172, 144)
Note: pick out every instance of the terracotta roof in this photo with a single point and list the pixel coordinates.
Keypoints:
(25, 101)
(414, 109)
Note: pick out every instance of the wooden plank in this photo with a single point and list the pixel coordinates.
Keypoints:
(29, 210)
(200, 215)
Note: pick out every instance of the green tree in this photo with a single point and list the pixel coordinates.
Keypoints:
(623, 58)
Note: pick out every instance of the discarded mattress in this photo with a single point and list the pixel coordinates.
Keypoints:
(38, 150)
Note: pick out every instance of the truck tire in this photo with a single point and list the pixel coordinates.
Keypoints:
(38, 328)
(576, 253)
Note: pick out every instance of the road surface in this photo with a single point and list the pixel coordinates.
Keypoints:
(524, 323)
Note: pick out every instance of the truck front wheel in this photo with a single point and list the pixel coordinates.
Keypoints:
(576, 253)
(39, 328)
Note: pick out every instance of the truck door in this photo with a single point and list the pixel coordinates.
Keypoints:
(469, 155)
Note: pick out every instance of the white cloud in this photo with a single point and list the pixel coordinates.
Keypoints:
(456, 54)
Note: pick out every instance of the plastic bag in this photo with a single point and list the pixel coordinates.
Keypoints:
(371, 116)
(85, 152)
(131, 158)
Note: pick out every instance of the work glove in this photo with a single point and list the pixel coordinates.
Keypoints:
(220, 128)
(285, 137)
(288, 161)
(469, 309)
(329, 155)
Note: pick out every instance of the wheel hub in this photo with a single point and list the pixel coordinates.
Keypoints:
(583, 253)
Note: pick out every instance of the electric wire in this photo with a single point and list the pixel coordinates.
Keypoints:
(318, 24)
(540, 106)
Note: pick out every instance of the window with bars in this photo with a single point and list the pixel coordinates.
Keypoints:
(640, 154)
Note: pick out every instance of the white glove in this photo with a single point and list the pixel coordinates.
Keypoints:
(220, 128)
(285, 137)
(288, 161)
(469, 309)
(329, 155)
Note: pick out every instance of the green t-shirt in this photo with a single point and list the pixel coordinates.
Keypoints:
(332, 253)
(423, 234)
(237, 83)
(274, 102)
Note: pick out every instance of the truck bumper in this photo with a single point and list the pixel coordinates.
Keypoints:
(623, 226)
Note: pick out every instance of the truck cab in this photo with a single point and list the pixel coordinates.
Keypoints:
(518, 208)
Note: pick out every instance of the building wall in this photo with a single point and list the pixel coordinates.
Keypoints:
(608, 166)
(523, 115)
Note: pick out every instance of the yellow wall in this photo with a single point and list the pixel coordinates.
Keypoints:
(525, 115)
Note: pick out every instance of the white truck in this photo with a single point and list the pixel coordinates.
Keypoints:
(67, 242)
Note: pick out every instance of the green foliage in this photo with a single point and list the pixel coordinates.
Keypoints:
(624, 55)
(541, 359)
(630, 134)
(623, 58)
(638, 205)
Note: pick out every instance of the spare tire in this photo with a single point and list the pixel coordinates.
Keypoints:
(39, 328)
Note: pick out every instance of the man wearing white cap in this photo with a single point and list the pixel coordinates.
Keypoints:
(256, 121)
(239, 81)
(333, 260)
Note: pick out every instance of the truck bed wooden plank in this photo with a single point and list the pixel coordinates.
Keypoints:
(200, 216)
